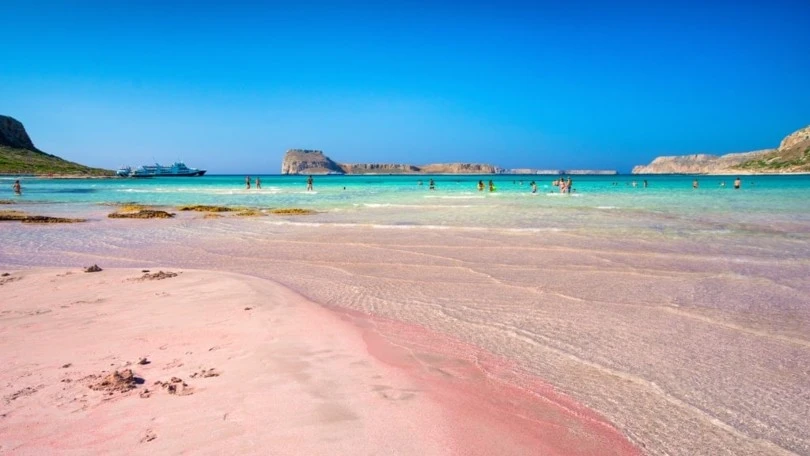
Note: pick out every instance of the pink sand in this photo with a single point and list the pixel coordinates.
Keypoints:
(284, 376)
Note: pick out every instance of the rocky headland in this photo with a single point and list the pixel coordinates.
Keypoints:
(18, 155)
(792, 156)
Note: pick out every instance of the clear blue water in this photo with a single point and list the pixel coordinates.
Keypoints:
(598, 202)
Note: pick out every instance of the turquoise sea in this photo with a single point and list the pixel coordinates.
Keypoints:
(598, 202)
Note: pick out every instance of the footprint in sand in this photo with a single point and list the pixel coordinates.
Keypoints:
(176, 386)
(175, 363)
(6, 280)
(148, 436)
(392, 394)
(205, 373)
(27, 391)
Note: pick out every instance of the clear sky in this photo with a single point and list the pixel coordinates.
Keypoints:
(229, 86)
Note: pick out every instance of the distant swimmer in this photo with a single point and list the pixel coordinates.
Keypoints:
(419, 183)
(432, 185)
(695, 184)
(247, 182)
(17, 187)
(723, 184)
(480, 186)
(534, 186)
(309, 183)
(737, 183)
(491, 186)
(258, 182)
(645, 183)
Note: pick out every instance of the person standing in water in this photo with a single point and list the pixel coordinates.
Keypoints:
(491, 186)
(309, 183)
(258, 182)
(737, 183)
(17, 187)
(431, 185)
(534, 186)
(695, 184)
(480, 186)
(247, 182)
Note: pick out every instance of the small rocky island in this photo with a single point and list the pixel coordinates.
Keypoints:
(792, 156)
(18, 155)
(302, 161)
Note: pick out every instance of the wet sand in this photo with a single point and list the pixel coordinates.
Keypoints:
(693, 344)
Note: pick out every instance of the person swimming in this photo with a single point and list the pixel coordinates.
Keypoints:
(17, 187)
(491, 186)
(737, 183)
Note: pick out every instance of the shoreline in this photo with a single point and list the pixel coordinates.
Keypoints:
(261, 369)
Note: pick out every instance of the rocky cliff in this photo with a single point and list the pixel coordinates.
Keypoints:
(297, 161)
(793, 155)
(13, 134)
(796, 138)
(302, 161)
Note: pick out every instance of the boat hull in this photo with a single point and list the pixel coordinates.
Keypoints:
(194, 174)
(178, 169)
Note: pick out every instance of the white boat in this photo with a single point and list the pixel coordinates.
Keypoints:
(176, 169)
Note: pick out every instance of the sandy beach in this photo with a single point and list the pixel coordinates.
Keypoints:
(216, 363)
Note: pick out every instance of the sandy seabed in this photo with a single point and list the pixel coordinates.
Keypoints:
(297, 339)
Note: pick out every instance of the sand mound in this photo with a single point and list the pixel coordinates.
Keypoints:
(117, 382)
(160, 275)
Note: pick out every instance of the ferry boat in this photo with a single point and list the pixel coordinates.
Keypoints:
(176, 169)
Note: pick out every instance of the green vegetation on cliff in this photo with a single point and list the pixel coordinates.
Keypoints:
(791, 160)
(23, 161)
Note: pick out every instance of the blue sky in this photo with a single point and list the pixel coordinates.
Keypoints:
(229, 86)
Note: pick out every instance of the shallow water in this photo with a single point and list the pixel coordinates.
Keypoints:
(681, 316)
